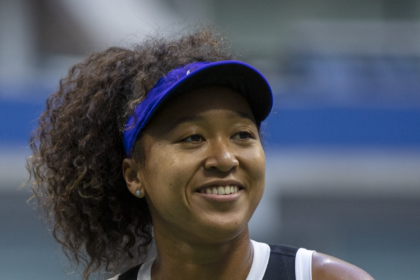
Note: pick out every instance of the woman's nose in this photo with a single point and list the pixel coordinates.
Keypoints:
(221, 157)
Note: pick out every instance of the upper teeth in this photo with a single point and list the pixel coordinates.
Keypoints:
(220, 190)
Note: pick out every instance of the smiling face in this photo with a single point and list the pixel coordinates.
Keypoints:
(205, 167)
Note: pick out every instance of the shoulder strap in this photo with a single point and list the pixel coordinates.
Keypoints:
(130, 274)
(281, 264)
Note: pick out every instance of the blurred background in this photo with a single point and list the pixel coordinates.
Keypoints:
(342, 143)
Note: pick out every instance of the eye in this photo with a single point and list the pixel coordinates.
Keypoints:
(242, 135)
(194, 138)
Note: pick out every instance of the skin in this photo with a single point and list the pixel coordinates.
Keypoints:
(325, 267)
(206, 137)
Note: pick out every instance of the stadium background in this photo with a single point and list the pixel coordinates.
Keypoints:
(342, 144)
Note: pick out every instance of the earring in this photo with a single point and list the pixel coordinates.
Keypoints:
(138, 193)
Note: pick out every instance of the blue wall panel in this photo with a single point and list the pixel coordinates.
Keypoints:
(309, 126)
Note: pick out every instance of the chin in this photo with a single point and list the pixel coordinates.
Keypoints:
(225, 231)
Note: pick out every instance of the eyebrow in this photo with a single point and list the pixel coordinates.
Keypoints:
(235, 114)
(199, 117)
(193, 118)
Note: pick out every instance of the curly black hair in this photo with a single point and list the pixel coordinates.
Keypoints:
(78, 150)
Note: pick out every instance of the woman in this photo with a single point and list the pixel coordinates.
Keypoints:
(182, 120)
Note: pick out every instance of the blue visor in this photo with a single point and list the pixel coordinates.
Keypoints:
(239, 76)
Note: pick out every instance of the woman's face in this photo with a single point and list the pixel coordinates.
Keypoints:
(203, 141)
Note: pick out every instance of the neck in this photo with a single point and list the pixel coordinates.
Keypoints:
(184, 259)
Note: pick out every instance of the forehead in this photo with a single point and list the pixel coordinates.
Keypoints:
(201, 100)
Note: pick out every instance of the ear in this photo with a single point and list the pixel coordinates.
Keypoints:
(131, 176)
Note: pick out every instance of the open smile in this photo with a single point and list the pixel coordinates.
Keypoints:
(220, 190)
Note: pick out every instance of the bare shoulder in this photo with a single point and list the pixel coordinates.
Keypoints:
(325, 267)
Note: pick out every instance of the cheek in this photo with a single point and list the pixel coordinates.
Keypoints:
(255, 170)
(167, 173)
(255, 164)
(160, 182)
(167, 177)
